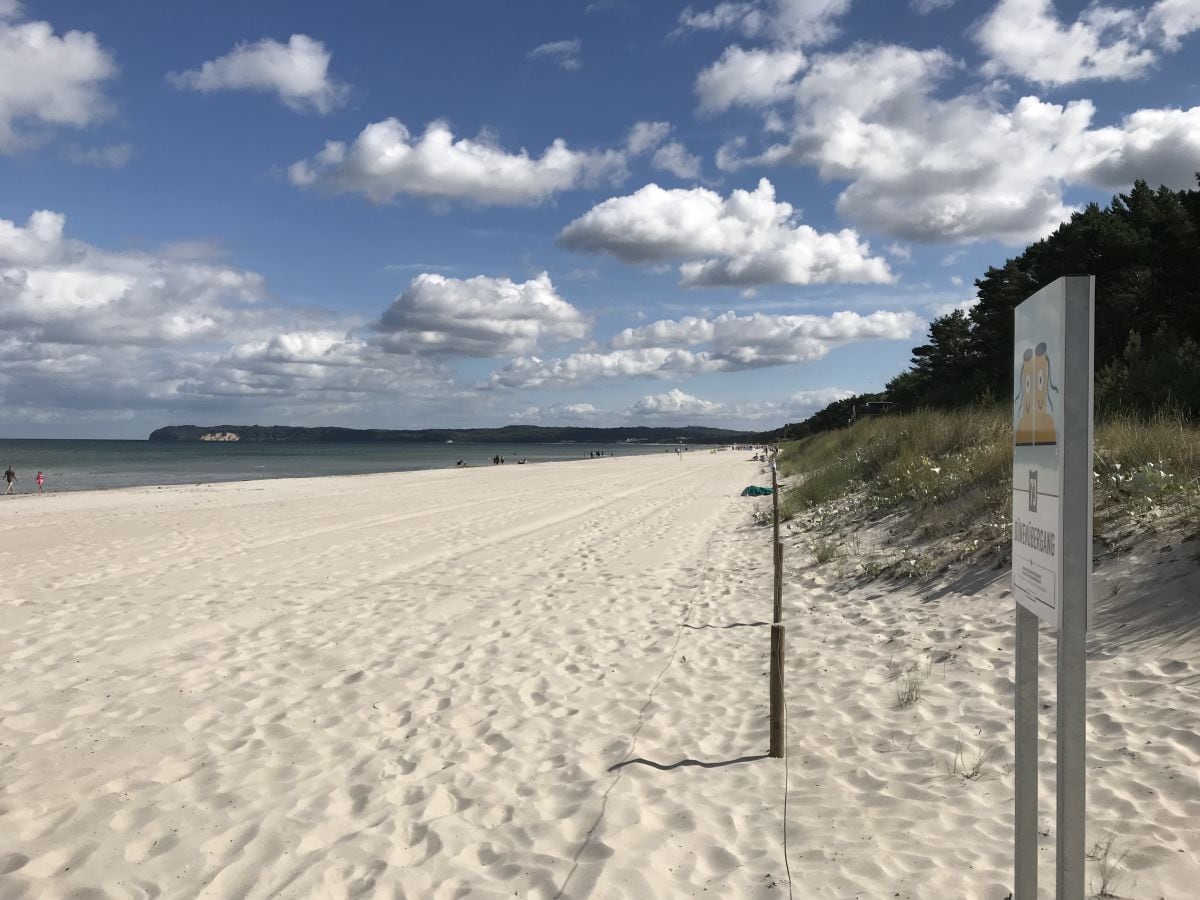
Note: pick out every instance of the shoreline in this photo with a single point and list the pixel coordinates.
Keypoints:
(283, 461)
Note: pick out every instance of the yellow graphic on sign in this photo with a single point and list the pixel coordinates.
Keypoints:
(1035, 426)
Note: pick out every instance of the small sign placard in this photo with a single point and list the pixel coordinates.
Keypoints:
(1051, 424)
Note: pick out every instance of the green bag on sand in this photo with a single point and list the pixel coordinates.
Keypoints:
(755, 491)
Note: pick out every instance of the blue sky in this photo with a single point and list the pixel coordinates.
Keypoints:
(543, 211)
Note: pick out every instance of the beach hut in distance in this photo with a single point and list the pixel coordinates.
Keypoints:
(871, 408)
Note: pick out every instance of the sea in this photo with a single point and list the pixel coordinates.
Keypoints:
(82, 465)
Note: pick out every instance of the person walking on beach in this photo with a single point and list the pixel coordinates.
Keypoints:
(11, 477)
(40, 479)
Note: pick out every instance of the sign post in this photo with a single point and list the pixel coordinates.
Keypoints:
(777, 737)
(1052, 559)
(1025, 758)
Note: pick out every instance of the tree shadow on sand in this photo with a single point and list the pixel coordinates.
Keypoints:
(1154, 607)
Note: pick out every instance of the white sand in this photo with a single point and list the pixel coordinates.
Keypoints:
(885, 816)
(417, 685)
(398, 685)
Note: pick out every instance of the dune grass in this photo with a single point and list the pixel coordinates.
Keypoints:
(926, 459)
(951, 467)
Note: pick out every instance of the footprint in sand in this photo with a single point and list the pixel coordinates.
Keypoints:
(147, 848)
(11, 862)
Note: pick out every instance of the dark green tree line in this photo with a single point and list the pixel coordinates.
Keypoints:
(1144, 249)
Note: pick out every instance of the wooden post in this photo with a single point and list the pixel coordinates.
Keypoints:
(778, 588)
(777, 736)
(775, 499)
(777, 693)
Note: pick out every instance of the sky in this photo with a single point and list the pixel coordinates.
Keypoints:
(584, 212)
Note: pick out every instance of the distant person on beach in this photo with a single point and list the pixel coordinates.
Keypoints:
(40, 479)
(11, 477)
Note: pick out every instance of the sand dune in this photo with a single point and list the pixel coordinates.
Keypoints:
(539, 681)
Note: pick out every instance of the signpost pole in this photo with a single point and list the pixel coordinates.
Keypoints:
(777, 748)
(1025, 849)
(1052, 560)
(777, 549)
(1076, 583)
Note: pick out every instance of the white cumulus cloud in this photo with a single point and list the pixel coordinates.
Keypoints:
(762, 339)
(748, 78)
(694, 345)
(323, 366)
(792, 22)
(297, 71)
(63, 291)
(676, 405)
(671, 156)
(746, 239)
(386, 159)
(112, 156)
(655, 362)
(47, 80)
(673, 403)
(674, 157)
(925, 7)
(645, 136)
(929, 169)
(84, 329)
(478, 317)
(553, 415)
(1160, 145)
(565, 53)
(1027, 38)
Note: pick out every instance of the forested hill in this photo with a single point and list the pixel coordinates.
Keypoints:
(1143, 249)
(510, 434)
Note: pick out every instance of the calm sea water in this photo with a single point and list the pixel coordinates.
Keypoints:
(91, 465)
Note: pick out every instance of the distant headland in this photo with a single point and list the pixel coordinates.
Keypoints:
(509, 434)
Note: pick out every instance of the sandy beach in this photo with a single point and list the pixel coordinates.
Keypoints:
(532, 681)
(398, 685)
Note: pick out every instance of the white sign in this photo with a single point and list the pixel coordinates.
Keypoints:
(1037, 425)
(1045, 427)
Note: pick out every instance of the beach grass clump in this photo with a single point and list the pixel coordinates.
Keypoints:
(970, 766)
(1110, 865)
(910, 685)
(1144, 459)
(826, 550)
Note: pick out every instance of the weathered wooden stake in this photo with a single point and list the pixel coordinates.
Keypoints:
(777, 739)
(778, 592)
(775, 499)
